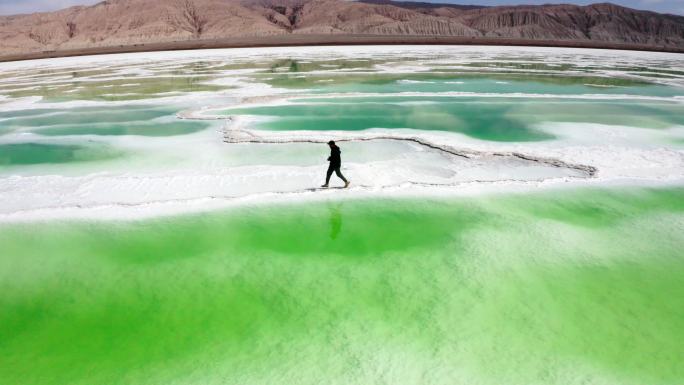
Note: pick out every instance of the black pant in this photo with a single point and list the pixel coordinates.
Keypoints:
(336, 168)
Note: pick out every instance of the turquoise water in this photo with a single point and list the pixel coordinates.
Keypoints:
(104, 121)
(16, 154)
(139, 129)
(495, 105)
(495, 119)
(478, 83)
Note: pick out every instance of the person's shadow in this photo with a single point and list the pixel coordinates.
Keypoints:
(335, 219)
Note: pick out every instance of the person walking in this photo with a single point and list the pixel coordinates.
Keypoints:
(335, 164)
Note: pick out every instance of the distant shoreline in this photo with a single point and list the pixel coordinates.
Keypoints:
(323, 40)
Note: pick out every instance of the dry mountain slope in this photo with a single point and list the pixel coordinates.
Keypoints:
(114, 23)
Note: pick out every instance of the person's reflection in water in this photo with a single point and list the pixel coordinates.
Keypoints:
(335, 220)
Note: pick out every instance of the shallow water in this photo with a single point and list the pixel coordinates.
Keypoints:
(470, 249)
(99, 121)
(493, 119)
(495, 82)
(14, 154)
(563, 288)
(129, 88)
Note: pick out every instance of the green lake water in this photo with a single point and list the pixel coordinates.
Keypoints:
(103, 121)
(495, 119)
(574, 287)
(567, 286)
(131, 88)
(530, 83)
(491, 113)
(16, 154)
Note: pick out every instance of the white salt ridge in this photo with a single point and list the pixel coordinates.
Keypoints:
(602, 86)
(413, 170)
(579, 57)
(409, 165)
(196, 172)
(281, 98)
(408, 81)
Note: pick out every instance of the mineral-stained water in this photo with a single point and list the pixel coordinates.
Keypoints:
(559, 288)
(516, 216)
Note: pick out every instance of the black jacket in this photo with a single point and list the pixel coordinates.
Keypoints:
(334, 158)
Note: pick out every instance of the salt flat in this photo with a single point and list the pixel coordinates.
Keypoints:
(515, 217)
(620, 115)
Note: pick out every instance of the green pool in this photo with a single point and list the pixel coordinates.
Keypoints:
(562, 288)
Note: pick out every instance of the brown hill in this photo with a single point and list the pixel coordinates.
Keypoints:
(114, 23)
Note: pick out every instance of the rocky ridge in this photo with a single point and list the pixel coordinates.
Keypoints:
(130, 22)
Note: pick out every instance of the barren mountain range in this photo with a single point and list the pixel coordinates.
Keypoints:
(121, 23)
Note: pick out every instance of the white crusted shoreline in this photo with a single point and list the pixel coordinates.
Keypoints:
(233, 164)
(148, 194)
